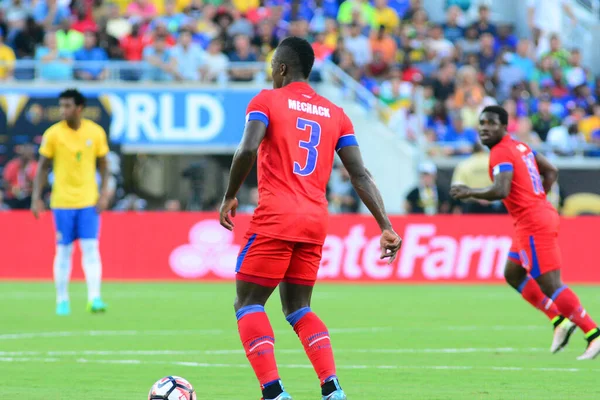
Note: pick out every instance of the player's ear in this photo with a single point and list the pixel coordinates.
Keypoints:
(283, 69)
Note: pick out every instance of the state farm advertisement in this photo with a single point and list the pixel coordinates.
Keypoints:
(193, 246)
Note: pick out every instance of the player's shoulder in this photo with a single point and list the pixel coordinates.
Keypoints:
(93, 126)
(55, 128)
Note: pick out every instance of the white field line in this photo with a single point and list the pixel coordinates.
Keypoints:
(295, 366)
(207, 332)
(128, 295)
(77, 353)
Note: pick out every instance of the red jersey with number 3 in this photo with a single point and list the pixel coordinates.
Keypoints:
(295, 159)
(527, 199)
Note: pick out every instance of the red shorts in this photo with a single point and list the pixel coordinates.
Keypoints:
(267, 261)
(538, 253)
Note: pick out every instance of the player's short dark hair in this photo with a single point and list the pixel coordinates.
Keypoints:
(501, 112)
(74, 94)
(298, 54)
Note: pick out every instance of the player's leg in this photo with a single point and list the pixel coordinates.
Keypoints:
(260, 267)
(545, 258)
(88, 228)
(296, 291)
(518, 277)
(64, 222)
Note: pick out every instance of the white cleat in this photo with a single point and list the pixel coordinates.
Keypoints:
(592, 350)
(562, 334)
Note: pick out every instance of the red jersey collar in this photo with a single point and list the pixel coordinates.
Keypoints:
(300, 87)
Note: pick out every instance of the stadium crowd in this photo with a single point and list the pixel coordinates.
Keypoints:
(390, 46)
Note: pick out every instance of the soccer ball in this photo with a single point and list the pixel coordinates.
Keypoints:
(172, 388)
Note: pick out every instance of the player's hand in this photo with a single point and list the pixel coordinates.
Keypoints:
(103, 203)
(459, 192)
(37, 207)
(390, 244)
(228, 206)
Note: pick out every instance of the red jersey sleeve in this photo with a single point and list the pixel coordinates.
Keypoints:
(258, 109)
(347, 137)
(501, 160)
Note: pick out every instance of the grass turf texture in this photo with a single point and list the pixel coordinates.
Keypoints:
(391, 342)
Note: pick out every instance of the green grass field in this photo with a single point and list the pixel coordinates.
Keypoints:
(391, 342)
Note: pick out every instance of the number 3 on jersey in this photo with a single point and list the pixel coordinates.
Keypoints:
(311, 146)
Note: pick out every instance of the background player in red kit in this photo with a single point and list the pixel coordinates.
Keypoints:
(515, 170)
(295, 133)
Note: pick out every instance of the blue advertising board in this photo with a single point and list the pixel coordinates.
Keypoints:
(153, 120)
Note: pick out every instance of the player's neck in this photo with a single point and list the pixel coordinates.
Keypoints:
(75, 125)
(291, 80)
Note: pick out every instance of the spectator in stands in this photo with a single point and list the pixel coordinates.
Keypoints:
(377, 68)
(429, 65)
(342, 196)
(265, 40)
(49, 13)
(511, 108)
(84, 22)
(141, 8)
(560, 55)
(358, 45)
(443, 84)
(15, 10)
(162, 66)
(116, 24)
(474, 172)
(442, 47)
(332, 33)
(415, 5)
(418, 27)
(160, 30)
(172, 19)
(216, 63)
(523, 60)
(558, 87)
(505, 40)
(7, 60)
(242, 53)
(487, 54)
(459, 140)
(131, 202)
(484, 24)
(385, 16)
(95, 56)
(55, 64)
(3, 205)
(18, 177)
(172, 205)
(469, 44)
(590, 124)
(543, 119)
(452, 29)
(437, 123)
(505, 74)
(565, 140)
(365, 11)
(525, 132)
(27, 39)
(427, 198)
(467, 85)
(110, 45)
(542, 75)
(545, 19)
(470, 112)
(242, 26)
(68, 39)
(382, 42)
(188, 56)
(576, 74)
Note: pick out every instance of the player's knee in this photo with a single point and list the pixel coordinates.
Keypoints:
(64, 253)
(290, 307)
(514, 274)
(90, 250)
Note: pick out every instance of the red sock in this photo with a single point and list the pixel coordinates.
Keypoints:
(315, 338)
(568, 304)
(530, 290)
(259, 342)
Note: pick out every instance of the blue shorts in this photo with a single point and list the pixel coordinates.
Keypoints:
(76, 223)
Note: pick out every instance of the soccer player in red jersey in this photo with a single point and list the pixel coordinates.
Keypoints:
(534, 260)
(295, 134)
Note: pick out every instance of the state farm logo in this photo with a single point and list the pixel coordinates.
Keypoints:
(211, 249)
(354, 255)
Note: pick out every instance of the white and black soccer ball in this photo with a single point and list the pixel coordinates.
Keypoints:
(172, 388)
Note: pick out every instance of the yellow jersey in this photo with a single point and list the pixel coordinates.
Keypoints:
(7, 60)
(74, 154)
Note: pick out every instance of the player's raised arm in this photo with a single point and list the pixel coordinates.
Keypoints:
(41, 178)
(243, 160)
(548, 171)
(365, 186)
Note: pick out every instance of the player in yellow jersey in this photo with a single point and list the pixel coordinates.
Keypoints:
(74, 147)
